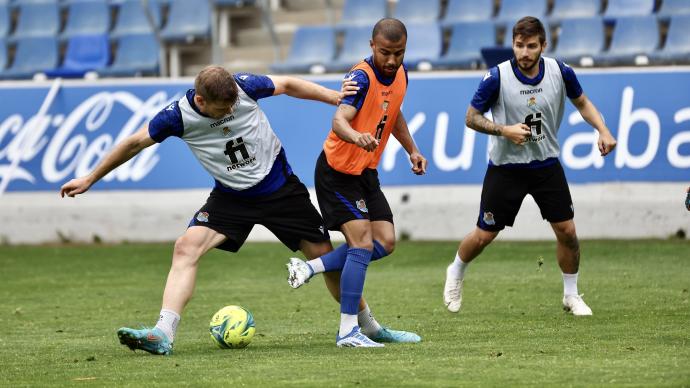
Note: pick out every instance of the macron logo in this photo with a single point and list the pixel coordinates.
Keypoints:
(487, 76)
(349, 77)
(244, 77)
(171, 107)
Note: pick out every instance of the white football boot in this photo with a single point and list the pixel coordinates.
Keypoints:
(355, 339)
(452, 292)
(299, 272)
(576, 305)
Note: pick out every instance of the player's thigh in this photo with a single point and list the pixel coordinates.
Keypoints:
(229, 216)
(376, 202)
(199, 240)
(551, 193)
(291, 216)
(502, 193)
(341, 196)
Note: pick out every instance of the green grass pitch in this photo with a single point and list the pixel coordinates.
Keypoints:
(60, 307)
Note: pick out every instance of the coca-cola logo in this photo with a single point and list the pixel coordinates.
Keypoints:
(66, 142)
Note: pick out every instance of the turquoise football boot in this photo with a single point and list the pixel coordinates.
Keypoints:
(149, 340)
(388, 335)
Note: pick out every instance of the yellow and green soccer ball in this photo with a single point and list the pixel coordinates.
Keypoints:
(232, 327)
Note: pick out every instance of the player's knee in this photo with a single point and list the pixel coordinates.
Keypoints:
(185, 252)
(483, 238)
(388, 244)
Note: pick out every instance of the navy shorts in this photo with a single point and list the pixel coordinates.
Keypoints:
(506, 186)
(288, 213)
(344, 197)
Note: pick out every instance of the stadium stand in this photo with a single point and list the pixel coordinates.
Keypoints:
(417, 11)
(84, 53)
(33, 55)
(633, 38)
(424, 45)
(676, 51)
(363, 12)
(135, 55)
(621, 8)
(466, 41)
(355, 48)
(468, 11)
(311, 47)
(579, 40)
(513, 10)
(87, 18)
(37, 19)
(568, 9)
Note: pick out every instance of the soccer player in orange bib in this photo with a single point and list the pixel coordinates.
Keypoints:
(347, 184)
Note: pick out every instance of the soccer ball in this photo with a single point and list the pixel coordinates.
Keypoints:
(232, 327)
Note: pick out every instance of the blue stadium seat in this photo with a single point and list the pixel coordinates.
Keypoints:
(466, 42)
(363, 12)
(468, 11)
(84, 53)
(33, 55)
(310, 46)
(355, 48)
(673, 7)
(424, 44)
(187, 21)
(633, 38)
(234, 3)
(580, 39)
(131, 18)
(513, 10)
(417, 11)
(676, 51)
(37, 19)
(5, 21)
(621, 8)
(3, 55)
(87, 18)
(569, 9)
(136, 55)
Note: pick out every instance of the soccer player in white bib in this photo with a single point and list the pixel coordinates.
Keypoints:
(526, 96)
(226, 130)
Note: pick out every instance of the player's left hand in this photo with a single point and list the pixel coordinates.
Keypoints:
(348, 88)
(606, 142)
(418, 163)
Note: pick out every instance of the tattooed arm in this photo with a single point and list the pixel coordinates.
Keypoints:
(517, 133)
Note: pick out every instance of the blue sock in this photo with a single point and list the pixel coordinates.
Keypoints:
(352, 279)
(335, 259)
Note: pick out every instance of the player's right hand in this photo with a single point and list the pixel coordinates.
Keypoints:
(517, 133)
(75, 186)
(366, 141)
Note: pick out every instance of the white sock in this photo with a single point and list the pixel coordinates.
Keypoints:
(367, 322)
(347, 323)
(458, 267)
(167, 323)
(570, 284)
(316, 265)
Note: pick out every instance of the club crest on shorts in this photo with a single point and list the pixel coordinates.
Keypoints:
(362, 206)
(202, 217)
(489, 218)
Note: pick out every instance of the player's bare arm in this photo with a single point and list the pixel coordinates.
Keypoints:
(517, 133)
(341, 126)
(300, 88)
(122, 152)
(591, 114)
(402, 134)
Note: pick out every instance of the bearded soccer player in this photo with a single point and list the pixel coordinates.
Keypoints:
(228, 133)
(347, 184)
(526, 96)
